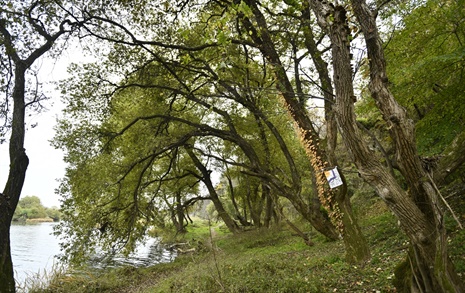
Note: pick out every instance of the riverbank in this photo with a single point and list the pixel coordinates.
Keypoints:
(272, 260)
(34, 221)
(40, 220)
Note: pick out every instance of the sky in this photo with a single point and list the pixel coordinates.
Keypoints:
(46, 164)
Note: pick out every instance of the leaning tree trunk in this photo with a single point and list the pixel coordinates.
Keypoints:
(357, 245)
(418, 209)
(433, 270)
(222, 213)
(310, 211)
(309, 136)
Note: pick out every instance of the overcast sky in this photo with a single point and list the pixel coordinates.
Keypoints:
(45, 162)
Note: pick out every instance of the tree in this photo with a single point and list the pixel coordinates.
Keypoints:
(185, 78)
(28, 30)
(222, 26)
(30, 207)
(336, 201)
(425, 69)
(417, 208)
(192, 64)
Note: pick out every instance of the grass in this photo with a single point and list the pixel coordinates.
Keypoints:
(271, 260)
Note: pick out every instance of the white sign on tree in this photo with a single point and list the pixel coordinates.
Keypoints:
(333, 177)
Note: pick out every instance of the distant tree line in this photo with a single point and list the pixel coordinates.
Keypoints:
(30, 207)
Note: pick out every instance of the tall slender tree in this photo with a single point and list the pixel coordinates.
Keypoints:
(28, 30)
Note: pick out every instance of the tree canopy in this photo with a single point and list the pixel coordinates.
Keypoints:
(30, 207)
(247, 103)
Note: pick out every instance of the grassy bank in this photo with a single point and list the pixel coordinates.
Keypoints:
(263, 261)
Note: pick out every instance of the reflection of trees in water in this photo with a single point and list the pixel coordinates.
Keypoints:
(150, 253)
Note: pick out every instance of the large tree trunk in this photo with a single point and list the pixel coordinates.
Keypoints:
(18, 166)
(355, 242)
(418, 209)
(18, 158)
(308, 134)
(432, 270)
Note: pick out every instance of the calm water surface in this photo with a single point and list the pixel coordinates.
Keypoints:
(33, 247)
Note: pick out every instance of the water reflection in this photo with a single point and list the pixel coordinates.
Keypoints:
(149, 253)
(34, 247)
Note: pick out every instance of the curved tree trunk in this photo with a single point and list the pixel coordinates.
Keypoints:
(308, 135)
(418, 209)
(18, 166)
(222, 213)
(432, 270)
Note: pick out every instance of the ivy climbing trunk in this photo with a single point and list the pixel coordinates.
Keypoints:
(310, 139)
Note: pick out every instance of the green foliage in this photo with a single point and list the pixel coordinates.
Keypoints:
(53, 213)
(260, 261)
(132, 113)
(267, 260)
(30, 207)
(426, 60)
(129, 136)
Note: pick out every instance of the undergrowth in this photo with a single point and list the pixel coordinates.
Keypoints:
(266, 260)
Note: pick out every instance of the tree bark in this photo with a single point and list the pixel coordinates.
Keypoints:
(418, 209)
(309, 138)
(16, 176)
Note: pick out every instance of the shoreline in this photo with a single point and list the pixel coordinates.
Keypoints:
(34, 221)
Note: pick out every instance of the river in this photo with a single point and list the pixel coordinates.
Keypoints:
(33, 247)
